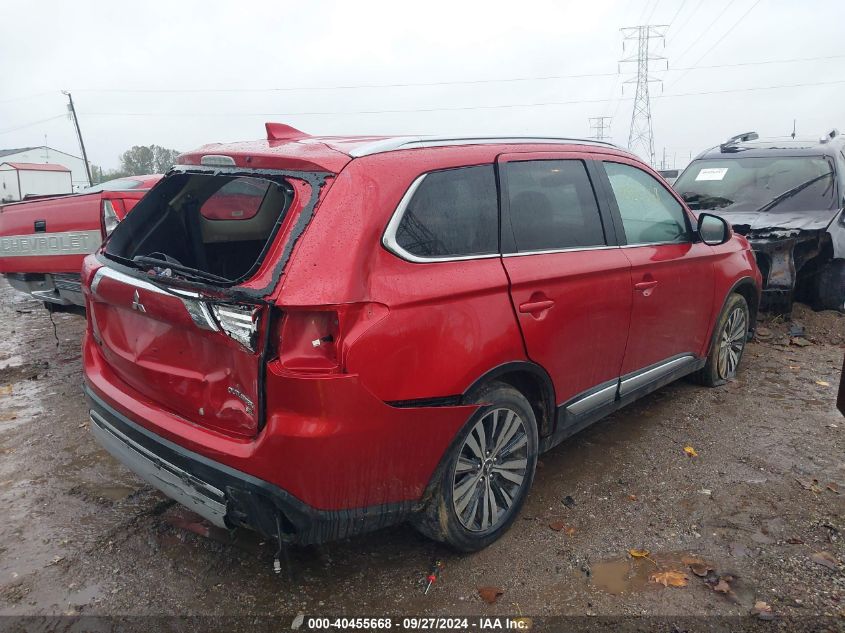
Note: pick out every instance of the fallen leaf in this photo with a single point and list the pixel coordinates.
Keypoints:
(722, 586)
(490, 594)
(808, 484)
(795, 541)
(832, 487)
(796, 367)
(670, 578)
(823, 383)
(557, 526)
(570, 531)
(691, 560)
(825, 559)
(639, 553)
(689, 450)
(763, 610)
(700, 569)
(632, 497)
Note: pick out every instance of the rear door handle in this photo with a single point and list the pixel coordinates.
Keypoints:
(535, 307)
(645, 285)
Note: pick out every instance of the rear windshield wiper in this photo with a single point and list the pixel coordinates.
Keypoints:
(791, 192)
(186, 270)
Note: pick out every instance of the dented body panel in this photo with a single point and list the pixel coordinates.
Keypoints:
(338, 418)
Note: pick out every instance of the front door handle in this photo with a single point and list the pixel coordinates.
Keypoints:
(534, 308)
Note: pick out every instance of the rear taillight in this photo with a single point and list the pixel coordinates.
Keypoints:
(110, 217)
(317, 340)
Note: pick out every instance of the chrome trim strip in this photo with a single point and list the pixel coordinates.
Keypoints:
(195, 494)
(561, 250)
(594, 400)
(653, 244)
(388, 240)
(196, 308)
(416, 142)
(635, 382)
(45, 244)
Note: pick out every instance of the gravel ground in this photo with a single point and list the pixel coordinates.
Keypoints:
(759, 508)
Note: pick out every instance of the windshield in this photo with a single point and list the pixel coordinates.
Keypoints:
(749, 184)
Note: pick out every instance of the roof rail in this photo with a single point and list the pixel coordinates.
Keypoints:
(414, 142)
(829, 136)
(739, 138)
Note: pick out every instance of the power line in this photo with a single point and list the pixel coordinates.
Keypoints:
(717, 42)
(442, 83)
(677, 13)
(705, 31)
(689, 17)
(460, 108)
(25, 125)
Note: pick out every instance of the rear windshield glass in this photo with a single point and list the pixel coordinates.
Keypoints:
(779, 183)
(209, 228)
(121, 184)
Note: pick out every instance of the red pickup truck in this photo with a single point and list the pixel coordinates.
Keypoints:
(43, 241)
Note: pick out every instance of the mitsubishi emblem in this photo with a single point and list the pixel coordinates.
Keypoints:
(136, 303)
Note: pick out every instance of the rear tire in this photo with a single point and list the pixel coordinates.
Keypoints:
(485, 477)
(830, 287)
(728, 344)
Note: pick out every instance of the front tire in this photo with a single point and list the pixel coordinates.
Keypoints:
(730, 336)
(487, 473)
(830, 287)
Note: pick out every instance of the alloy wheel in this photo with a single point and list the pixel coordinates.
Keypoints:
(491, 470)
(731, 343)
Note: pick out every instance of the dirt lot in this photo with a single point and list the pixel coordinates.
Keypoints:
(763, 501)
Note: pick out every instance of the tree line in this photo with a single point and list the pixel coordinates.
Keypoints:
(138, 161)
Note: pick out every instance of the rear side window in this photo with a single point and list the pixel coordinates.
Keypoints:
(650, 214)
(552, 205)
(452, 213)
(238, 199)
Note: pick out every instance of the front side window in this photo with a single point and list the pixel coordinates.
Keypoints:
(453, 213)
(552, 206)
(650, 214)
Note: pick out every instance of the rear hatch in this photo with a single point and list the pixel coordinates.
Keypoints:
(178, 310)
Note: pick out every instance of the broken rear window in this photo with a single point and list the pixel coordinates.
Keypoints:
(211, 228)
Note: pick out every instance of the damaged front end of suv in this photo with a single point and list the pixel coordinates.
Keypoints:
(787, 198)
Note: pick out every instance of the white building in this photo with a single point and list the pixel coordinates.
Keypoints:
(44, 154)
(19, 180)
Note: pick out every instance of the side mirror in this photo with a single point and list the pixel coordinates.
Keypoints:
(713, 230)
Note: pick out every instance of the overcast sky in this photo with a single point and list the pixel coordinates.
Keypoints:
(183, 73)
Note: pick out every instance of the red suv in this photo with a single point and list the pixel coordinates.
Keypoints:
(314, 337)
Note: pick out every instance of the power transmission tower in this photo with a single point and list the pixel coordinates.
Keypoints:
(72, 112)
(600, 126)
(641, 135)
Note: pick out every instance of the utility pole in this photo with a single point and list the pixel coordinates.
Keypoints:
(641, 135)
(600, 126)
(72, 111)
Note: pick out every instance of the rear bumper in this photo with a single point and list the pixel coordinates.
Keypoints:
(57, 288)
(225, 496)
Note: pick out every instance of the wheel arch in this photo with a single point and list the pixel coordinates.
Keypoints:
(532, 381)
(747, 288)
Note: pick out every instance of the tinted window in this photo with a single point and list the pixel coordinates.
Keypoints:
(650, 214)
(552, 205)
(453, 213)
(238, 199)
